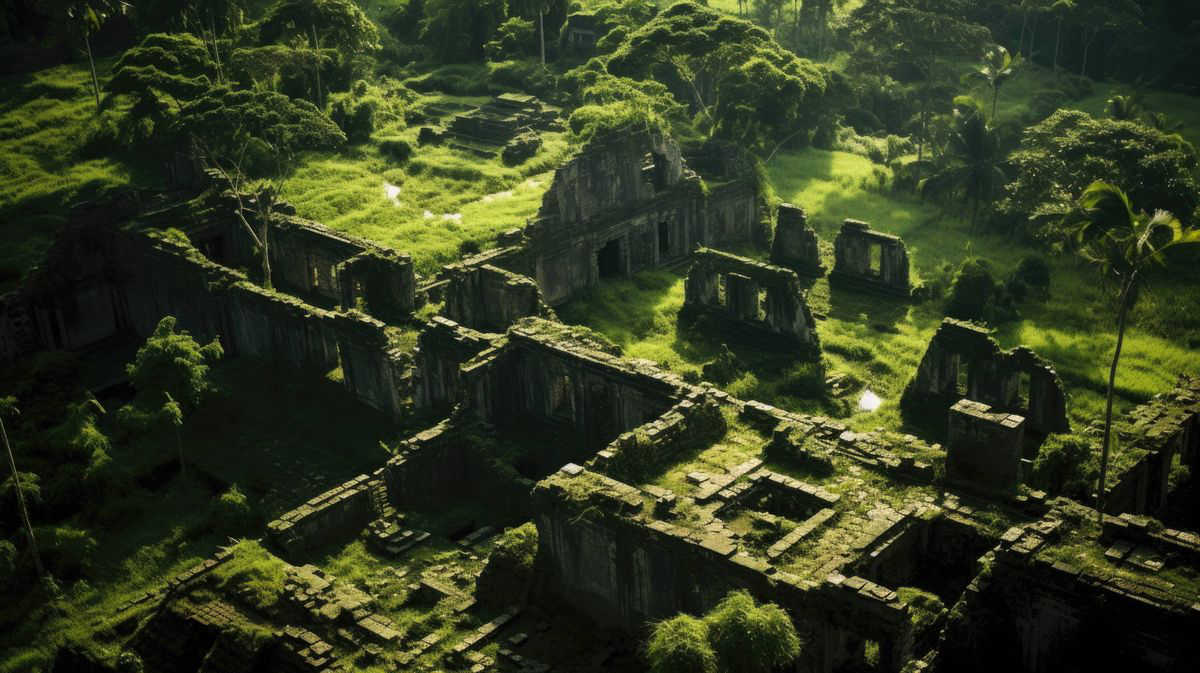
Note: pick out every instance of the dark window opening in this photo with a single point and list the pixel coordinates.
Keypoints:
(561, 403)
(609, 259)
(876, 261)
(962, 384)
(660, 171)
(664, 239)
(1023, 385)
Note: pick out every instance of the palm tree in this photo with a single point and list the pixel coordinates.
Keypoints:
(971, 161)
(8, 405)
(86, 17)
(997, 67)
(1122, 245)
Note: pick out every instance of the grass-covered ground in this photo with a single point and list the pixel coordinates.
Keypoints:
(267, 431)
(880, 341)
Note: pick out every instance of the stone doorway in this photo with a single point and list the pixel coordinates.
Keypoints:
(609, 259)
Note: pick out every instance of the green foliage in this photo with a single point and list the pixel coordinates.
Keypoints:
(457, 30)
(515, 38)
(725, 368)
(172, 363)
(225, 121)
(1067, 465)
(255, 572)
(339, 24)
(1061, 156)
(231, 512)
(508, 574)
(31, 488)
(1033, 273)
(971, 169)
(66, 550)
(612, 104)
(751, 638)
(680, 645)
(924, 608)
(976, 295)
(8, 562)
(746, 87)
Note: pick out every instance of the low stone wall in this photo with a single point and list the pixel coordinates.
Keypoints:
(695, 421)
(491, 299)
(333, 516)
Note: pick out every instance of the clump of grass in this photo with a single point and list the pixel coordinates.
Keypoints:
(253, 572)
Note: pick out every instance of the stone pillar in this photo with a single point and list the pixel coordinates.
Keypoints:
(701, 287)
(741, 296)
(795, 245)
(984, 448)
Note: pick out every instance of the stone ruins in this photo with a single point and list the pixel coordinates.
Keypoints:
(796, 245)
(963, 361)
(650, 495)
(748, 293)
(870, 260)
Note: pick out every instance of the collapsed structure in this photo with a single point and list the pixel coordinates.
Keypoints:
(650, 495)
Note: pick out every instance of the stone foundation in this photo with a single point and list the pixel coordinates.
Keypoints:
(870, 260)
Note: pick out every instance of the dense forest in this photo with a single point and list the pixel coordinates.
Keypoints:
(1038, 159)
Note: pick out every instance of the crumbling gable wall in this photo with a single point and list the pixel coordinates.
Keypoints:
(565, 378)
(783, 310)
(796, 245)
(964, 361)
(626, 203)
(870, 260)
(489, 298)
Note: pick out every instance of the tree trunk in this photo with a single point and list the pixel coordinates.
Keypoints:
(1087, 45)
(542, 35)
(216, 50)
(317, 53)
(1057, 42)
(1021, 40)
(1112, 379)
(92, 63)
(265, 237)
(179, 447)
(995, 99)
(12, 464)
(1033, 35)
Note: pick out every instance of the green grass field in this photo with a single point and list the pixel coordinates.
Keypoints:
(880, 341)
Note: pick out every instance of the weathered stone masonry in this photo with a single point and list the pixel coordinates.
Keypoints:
(870, 260)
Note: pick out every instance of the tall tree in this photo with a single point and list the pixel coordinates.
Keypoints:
(339, 24)
(8, 407)
(923, 35)
(1123, 245)
(1094, 17)
(85, 17)
(997, 68)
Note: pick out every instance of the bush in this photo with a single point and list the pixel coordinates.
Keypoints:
(514, 38)
(724, 369)
(1034, 273)
(508, 574)
(231, 512)
(67, 551)
(975, 295)
(749, 637)
(397, 149)
(1066, 465)
(924, 608)
(680, 645)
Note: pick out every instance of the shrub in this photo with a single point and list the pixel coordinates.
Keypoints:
(1066, 465)
(231, 512)
(723, 369)
(508, 574)
(66, 550)
(514, 38)
(397, 149)
(680, 645)
(751, 638)
(924, 608)
(975, 295)
(1034, 273)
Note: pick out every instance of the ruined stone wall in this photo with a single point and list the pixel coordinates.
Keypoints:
(597, 550)
(626, 204)
(783, 312)
(491, 299)
(334, 516)
(984, 448)
(1156, 432)
(381, 282)
(305, 256)
(442, 467)
(17, 332)
(695, 421)
(442, 348)
(962, 351)
(858, 265)
(125, 281)
(796, 245)
(551, 376)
